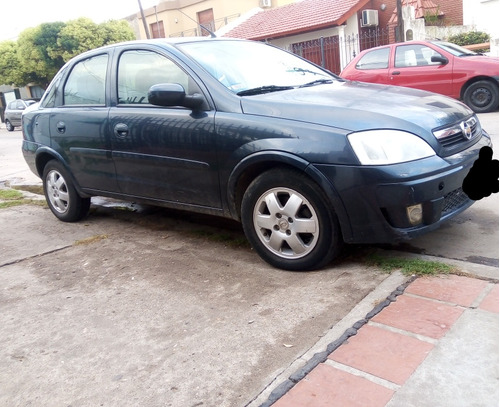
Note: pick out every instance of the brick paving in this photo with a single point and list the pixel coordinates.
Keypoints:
(368, 368)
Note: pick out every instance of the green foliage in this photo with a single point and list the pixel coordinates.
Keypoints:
(410, 266)
(35, 63)
(41, 51)
(433, 18)
(9, 63)
(469, 38)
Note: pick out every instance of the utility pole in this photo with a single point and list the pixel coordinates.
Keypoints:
(144, 20)
(400, 37)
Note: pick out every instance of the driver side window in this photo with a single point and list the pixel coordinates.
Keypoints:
(138, 70)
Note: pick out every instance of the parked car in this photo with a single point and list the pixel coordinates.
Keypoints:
(434, 66)
(244, 130)
(14, 111)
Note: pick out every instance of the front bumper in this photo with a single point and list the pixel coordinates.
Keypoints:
(376, 198)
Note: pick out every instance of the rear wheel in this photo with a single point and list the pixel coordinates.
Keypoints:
(9, 125)
(288, 222)
(61, 195)
(482, 96)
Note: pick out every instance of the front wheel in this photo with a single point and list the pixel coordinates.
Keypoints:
(61, 195)
(9, 125)
(288, 222)
(482, 97)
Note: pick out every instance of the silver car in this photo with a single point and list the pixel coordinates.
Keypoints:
(14, 111)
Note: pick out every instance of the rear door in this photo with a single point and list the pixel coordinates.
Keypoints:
(413, 67)
(79, 125)
(163, 153)
(372, 67)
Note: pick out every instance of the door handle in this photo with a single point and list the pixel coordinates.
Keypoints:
(396, 73)
(61, 127)
(121, 130)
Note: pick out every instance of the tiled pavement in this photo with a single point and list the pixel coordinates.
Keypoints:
(427, 336)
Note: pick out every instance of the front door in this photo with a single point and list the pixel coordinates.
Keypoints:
(161, 153)
(413, 67)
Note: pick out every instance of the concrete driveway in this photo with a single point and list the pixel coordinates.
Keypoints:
(146, 309)
(154, 307)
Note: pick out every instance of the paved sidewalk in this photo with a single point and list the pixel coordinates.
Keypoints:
(435, 345)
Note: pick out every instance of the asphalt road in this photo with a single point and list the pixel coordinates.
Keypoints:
(158, 307)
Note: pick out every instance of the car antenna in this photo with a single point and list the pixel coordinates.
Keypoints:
(212, 34)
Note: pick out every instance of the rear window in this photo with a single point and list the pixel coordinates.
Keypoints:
(377, 59)
(86, 82)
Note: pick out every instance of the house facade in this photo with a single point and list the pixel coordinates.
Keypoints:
(327, 32)
(182, 18)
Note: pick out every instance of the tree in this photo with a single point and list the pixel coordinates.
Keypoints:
(32, 67)
(116, 31)
(76, 37)
(83, 34)
(41, 51)
(46, 43)
(9, 64)
(36, 64)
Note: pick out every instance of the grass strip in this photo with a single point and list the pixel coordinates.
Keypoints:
(407, 266)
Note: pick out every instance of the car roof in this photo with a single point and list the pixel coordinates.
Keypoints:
(394, 44)
(168, 41)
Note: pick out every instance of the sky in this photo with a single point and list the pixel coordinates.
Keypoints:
(17, 15)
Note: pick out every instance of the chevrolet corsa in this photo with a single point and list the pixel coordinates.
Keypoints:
(303, 159)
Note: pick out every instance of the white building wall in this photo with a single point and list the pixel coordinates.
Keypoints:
(483, 14)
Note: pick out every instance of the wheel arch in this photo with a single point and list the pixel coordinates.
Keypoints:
(44, 155)
(251, 167)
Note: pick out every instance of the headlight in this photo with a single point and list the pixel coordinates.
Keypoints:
(382, 147)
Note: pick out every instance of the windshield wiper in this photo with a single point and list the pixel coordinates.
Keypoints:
(263, 89)
(316, 82)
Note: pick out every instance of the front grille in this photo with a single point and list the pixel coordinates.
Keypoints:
(454, 201)
(455, 138)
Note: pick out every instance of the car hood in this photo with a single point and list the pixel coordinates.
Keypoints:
(481, 64)
(481, 59)
(356, 106)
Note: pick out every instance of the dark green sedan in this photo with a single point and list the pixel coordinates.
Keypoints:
(306, 161)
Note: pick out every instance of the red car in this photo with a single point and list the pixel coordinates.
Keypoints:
(435, 66)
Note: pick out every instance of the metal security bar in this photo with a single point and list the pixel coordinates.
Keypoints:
(335, 52)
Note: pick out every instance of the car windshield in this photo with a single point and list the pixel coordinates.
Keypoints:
(248, 68)
(454, 49)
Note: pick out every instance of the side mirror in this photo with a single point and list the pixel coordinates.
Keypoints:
(439, 58)
(173, 94)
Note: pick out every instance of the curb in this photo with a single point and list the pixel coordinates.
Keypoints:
(321, 357)
(287, 378)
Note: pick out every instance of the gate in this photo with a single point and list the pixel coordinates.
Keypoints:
(334, 53)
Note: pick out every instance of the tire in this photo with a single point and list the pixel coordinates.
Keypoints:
(61, 195)
(288, 222)
(9, 125)
(482, 96)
